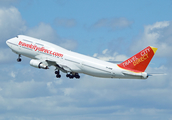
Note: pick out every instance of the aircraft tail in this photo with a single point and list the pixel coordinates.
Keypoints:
(140, 61)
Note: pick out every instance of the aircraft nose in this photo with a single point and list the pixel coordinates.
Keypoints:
(7, 42)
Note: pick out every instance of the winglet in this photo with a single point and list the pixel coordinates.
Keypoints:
(140, 61)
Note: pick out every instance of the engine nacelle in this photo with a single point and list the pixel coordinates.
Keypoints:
(38, 64)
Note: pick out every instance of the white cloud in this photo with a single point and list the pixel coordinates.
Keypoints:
(108, 56)
(6, 55)
(65, 22)
(69, 91)
(13, 74)
(43, 31)
(11, 23)
(46, 32)
(95, 55)
(114, 23)
(38, 93)
(105, 51)
(155, 35)
(68, 44)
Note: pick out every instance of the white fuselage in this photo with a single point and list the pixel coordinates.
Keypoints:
(75, 62)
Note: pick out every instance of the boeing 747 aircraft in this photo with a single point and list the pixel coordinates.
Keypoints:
(44, 54)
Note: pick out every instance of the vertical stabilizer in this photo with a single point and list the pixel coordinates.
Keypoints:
(140, 61)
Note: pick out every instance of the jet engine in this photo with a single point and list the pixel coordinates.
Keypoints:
(38, 64)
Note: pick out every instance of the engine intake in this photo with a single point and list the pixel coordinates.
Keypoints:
(38, 64)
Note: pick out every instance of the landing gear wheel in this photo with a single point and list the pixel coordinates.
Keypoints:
(71, 76)
(67, 75)
(77, 76)
(58, 76)
(19, 60)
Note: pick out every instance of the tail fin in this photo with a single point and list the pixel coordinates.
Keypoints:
(140, 61)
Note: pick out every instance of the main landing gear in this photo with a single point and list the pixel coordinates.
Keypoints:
(19, 59)
(71, 75)
(58, 74)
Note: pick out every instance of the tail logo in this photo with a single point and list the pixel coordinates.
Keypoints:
(141, 59)
(131, 60)
(145, 51)
(144, 56)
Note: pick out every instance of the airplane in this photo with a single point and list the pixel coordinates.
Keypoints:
(44, 54)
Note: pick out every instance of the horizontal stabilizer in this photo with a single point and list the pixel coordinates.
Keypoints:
(155, 74)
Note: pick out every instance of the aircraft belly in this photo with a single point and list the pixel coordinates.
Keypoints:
(125, 74)
(28, 53)
(96, 71)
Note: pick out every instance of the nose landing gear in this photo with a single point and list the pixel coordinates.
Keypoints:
(19, 59)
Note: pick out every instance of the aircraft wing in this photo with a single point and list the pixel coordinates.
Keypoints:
(59, 65)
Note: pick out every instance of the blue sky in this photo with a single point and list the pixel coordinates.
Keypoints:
(105, 29)
(86, 14)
